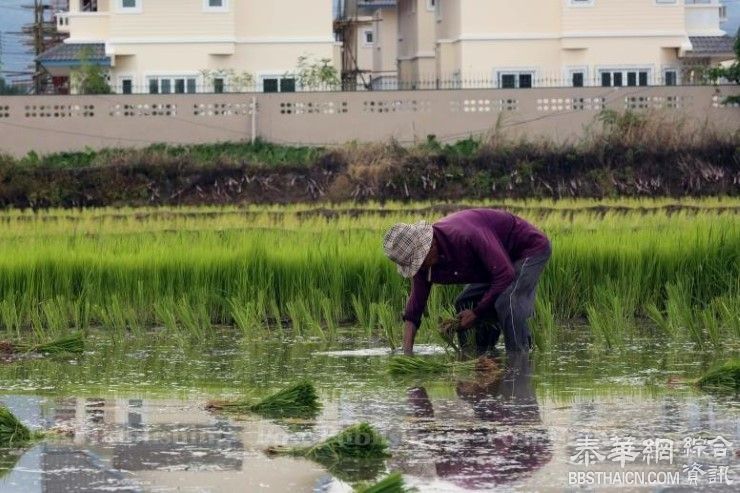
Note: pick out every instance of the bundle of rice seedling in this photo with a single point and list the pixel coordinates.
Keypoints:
(390, 484)
(13, 433)
(299, 400)
(724, 377)
(448, 329)
(71, 344)
(408, 365)
(360, 441)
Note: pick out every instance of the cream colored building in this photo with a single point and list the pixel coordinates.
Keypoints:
(500, 43)
(185, 46)
(417, 38)
(369, 30)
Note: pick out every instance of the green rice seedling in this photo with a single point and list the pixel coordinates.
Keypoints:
(73, 344)
(296, 314)
(409, 365)
(193, 316)
(681, 314)
(722, 377)
(13, 433)
(544, 327)
(299, 400)
(276, 315)
(165, 313)
(610, 318)
(245, 316)
(361, 314)
(112, 315)
(327, 309)
(81, 314)
(728, 309)
(360, 441)
(710, 323)
(393, 483)
(659, 319)
(9, 458)
(54, 313)
(10, 317)
(388, 322)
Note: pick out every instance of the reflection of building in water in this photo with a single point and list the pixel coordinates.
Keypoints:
(71, 469)
(131, 444)
(500, 442)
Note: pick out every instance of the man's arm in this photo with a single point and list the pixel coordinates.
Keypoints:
(420, 289)
(497, 261)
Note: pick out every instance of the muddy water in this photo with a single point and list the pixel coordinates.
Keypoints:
(137, 412)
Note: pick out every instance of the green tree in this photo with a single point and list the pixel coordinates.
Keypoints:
(731, 73)
(316, 74)
(90, 78)
(8, 90)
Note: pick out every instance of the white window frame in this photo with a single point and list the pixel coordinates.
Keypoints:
(661, 3)
(624, 70)
(432, 5)
(581, 3)
(518, 72)
(364, 37)
(223, 8)
(577, 69)
(124, 77)
(172, 78)
(673, 69)
(279, 76)
(130, 10)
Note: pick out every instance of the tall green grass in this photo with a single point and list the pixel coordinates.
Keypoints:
(276, 269)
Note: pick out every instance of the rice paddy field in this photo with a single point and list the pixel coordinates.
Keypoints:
(180, 307)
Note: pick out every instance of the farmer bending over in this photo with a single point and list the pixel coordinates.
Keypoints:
(498, 255)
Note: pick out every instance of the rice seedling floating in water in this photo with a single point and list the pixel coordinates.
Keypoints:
(408, 365)
(299, 400)
(13, 433)
(74, 344)
(360, 441)
(722, 377)
(392, 483)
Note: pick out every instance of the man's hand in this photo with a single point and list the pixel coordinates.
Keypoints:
(409, 334)
(467, 319)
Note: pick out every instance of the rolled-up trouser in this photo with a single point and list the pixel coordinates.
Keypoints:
(513, 306)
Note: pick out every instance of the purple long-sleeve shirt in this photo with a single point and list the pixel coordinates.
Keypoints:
(476, 246)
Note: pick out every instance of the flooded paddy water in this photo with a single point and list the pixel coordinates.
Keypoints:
(135, 413)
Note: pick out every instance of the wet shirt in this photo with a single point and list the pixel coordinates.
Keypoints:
(476, 246)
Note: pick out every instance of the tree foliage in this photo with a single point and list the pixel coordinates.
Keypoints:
(316, 74)
(90, 78)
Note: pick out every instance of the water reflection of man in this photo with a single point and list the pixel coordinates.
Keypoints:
(481, 457)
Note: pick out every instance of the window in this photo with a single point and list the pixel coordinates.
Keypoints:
(670, 77)
(129, 6)
(514, 80)
(218, 85)
(170, 85)
(368, 37)
(431, 5)
(216, 5)
(620, 77)
(577, 79)
(127, 86)
(278, 84)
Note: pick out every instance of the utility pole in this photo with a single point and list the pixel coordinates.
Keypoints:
(40, 35)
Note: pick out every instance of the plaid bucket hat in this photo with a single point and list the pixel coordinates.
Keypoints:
(408, 245)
